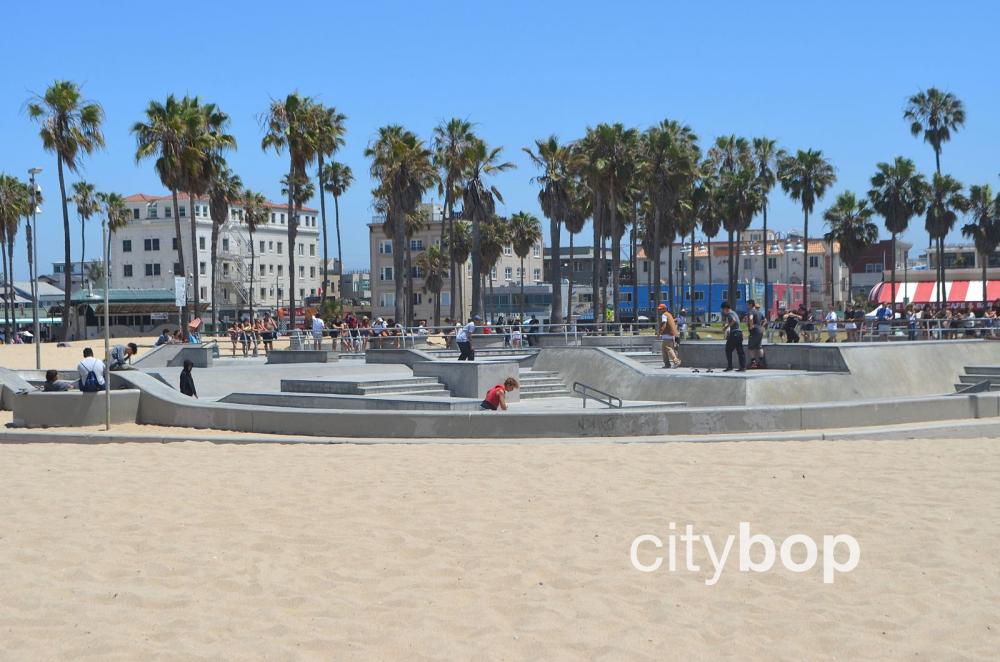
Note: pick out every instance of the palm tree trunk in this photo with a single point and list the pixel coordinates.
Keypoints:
(410, 296)
(83, 249)
(522, 292)
(292, 232)
(195, 265)
(555, 277)
(340, 254)
(985, 259)
(180, 246)
(252, 266)
(10, 288)
(767, 295)
(655, 259)
(616, 270)
(477, 268)
(569, 288)
(670, 275)
(596, 266)
(6, 286)
(694, 302)
(731, 272)
(634, 263)
(711, 283)
(322, 213)
(213, 283)
(805, 261)
(68, 275)
(893, 295)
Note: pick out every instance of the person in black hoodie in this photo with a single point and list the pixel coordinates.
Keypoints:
(187, 381)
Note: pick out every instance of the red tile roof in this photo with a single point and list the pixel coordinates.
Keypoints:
(182, 197)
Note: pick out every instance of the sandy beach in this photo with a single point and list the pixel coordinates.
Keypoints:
(205, 551)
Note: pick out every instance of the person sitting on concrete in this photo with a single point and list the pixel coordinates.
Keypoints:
(464, 340)
(668, 338)
(121, 356)
(187, 381)
(734, 337)
(496, 397)
(164, 338)
(91, 371)
(53, 384)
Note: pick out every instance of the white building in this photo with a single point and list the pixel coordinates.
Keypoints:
(144, 254)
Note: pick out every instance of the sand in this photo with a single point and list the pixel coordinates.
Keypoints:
(505, 552)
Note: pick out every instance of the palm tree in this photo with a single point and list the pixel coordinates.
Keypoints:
(851, 227)
(935, 114)
(525, 233)
(255, 213)
(434, 265)
(301, 190)
(71, 126)
(402, 165)
(459, 247)
(766, 156)
(337, 178)
(984, 230)
(224, 189)
(495, 236)
(733, 165)
(452, 140)
(328, 134)
(86, 206)
(806, 177)
(944, 203)
(162, 135)
(288, 125)
(556, 162)
(709, 214)
(479, 202)
(15, 203)
(205, 139)
(118, 215)
(898, 193)
(669, 166)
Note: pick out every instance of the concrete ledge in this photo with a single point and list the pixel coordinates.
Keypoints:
(398, 342)
(10, 384)
(37, 409)
(175, 355)
(407, 357)
(282, 356)
(366, 402)
(470, 379)
(629, 342)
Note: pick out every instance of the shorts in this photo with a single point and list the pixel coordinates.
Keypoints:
(317, 335)
(267, 336)
(486, 406)
(756, 338)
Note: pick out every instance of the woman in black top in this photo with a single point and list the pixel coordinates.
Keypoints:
(187, 382)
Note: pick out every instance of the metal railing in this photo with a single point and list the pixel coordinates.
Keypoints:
(596, 394)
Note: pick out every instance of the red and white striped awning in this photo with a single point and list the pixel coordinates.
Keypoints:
(956, 291)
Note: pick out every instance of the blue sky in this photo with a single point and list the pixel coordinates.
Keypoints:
(830, 76)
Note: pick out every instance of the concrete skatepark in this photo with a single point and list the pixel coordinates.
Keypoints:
(392, 394)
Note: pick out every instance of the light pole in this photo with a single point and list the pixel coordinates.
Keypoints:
(34, 269)
(107, 327)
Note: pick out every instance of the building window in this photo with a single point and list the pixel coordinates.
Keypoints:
(182, 211)
(385, 274)
(202, 268)
(167, 212)
(416, 244)
(262, 246)
(385, 248)
(508, 250)
(536, 250)
(312, 250)
(225, 268)
(177, 269)
(127, 271)
(281, 247)
(270, 268)
(873, 268)
(201, 243)
(153, 269)
(263, 269)
(493, 273)
(225, 244)
(772, 263)
(312, 272)
(813, 261)
(508, 273)
(151, 244)
(281, 270)
(445, 298)
(387, 299)
(204, 292)
(263, 292)
(302, 271)
(135, 214)
(302, 249)
(416, 272)
(302, 293)
(151, 211)
(418, 298)
(538, 275)
(126, 245)
(173, 243)
(282, 219)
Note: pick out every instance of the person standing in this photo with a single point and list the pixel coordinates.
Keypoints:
(831, 323)
(464, 340)
(791, 323)
(755, 329)
(668, 338)
(318, 326)
(884, 315)
(187, 381)
(734, 338)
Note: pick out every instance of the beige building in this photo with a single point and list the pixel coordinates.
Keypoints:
(383, 280)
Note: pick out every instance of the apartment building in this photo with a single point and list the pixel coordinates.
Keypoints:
(144, 254)
(383, 281)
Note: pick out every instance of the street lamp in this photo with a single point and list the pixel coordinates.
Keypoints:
(35, 194)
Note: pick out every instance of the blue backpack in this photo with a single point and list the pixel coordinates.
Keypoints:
(90, 383)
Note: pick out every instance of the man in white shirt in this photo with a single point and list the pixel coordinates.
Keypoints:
(831, 324)
(318, 325)
(91, 371)
(464, 340)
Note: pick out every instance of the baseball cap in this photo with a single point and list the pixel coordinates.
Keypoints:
(477, 318)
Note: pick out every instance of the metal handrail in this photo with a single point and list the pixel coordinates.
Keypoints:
(588, 392)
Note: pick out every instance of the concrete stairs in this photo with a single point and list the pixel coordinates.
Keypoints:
(541, 384)
(978, 374)
(424, 386)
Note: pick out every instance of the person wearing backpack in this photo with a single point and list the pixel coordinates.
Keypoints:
(91, 371)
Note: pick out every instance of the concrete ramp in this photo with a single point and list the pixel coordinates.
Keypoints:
(168, 356)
